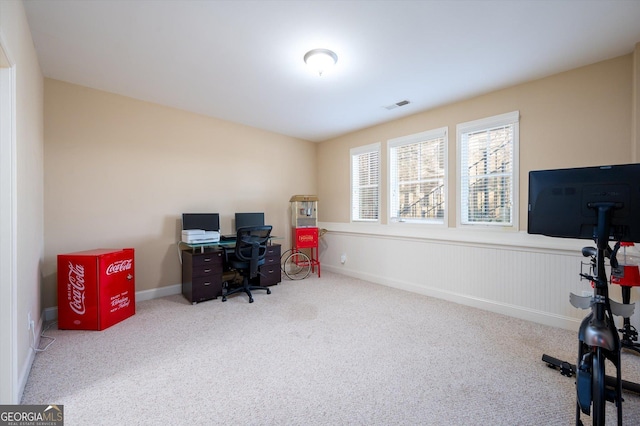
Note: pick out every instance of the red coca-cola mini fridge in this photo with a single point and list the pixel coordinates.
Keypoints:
(96, 288)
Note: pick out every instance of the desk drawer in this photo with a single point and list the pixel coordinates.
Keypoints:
(211, 258)
(206, 270)
(206, 288)
(201, 275)
(273, 251)
(271, 260)
(269, 274)
(270, 271)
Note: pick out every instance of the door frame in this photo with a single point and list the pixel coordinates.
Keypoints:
(9, 393)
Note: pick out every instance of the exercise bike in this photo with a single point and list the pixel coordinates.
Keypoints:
(602, 204)
(598, 339)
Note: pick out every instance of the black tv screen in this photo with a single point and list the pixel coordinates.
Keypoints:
(563, 202)
(204, 221)
(249, 219)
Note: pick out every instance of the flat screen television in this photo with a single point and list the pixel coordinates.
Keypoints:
(565, 202)
(249, 219)
(204, 221)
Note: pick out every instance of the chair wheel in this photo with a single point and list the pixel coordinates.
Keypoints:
(224, 298)
(268, 291)
(251, 300)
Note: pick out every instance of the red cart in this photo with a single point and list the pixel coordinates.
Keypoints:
(303, 257)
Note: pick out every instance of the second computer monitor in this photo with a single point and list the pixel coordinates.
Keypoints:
(249, 219)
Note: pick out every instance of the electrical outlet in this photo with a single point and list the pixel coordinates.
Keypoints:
(343, 258)
(29, 321)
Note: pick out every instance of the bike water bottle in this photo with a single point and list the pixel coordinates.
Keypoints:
(627, 273)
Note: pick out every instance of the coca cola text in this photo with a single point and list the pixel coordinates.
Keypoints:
(75, 288)
(119, 266)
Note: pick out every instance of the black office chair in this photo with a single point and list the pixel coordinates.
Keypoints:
(248, 255)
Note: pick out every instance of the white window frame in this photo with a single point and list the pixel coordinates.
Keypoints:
(442, 132)
(487, 124)
(355, 152)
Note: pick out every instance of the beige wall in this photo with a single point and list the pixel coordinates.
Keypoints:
(28, 196)
(582, 117)
(120, 172)
(577, 118)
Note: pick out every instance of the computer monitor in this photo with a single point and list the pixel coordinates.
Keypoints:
(204, 221)
(249, 219)
(565, 202)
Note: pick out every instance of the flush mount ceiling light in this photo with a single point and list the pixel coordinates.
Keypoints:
(320, 59)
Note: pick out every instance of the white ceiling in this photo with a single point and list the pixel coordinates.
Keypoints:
(242, 60)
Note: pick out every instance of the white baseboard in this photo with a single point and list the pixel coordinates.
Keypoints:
(24, 374)
(540, 317)
(51, 314)
(514, 311)
(156, 293)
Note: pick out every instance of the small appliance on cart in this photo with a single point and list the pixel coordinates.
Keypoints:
(303, 257)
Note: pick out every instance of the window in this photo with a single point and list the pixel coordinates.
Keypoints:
(417, 177)
(365, 183)
(488, 170)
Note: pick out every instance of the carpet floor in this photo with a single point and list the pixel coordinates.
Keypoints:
(321, 351)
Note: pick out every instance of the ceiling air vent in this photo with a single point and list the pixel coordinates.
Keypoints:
(397, 104)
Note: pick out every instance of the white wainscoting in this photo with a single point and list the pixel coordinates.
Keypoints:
(512, 273)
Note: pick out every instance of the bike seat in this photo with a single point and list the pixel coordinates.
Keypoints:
(589, 251)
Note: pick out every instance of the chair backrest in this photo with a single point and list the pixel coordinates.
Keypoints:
(251, 245)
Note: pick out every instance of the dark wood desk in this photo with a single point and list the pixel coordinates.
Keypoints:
(203, 268)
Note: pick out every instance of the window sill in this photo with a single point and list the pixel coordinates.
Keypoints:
(469, 236)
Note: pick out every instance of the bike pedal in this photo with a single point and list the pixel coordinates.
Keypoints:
(565, 369)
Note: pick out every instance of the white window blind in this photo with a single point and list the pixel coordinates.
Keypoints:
(365, 183)
(417, 177)
(488, 170)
